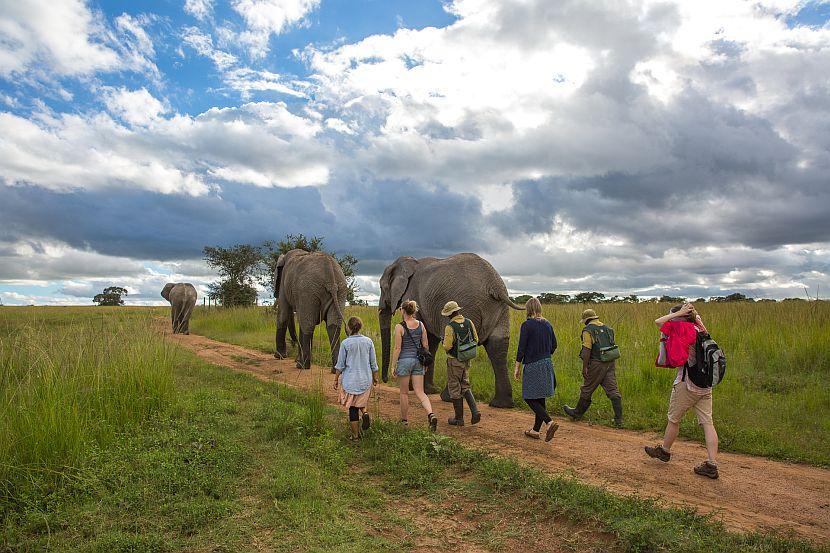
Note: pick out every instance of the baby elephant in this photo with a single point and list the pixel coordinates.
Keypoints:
(182, 298)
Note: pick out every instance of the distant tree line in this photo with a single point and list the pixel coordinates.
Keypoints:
(242, 266)
(599, 297)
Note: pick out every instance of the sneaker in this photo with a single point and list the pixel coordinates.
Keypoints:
(552, 427)
(533, 434)
(433, 422)
(367, 422)
(657, 452)
(707, 469)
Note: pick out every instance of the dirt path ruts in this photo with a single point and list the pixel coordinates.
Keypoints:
(752, 493)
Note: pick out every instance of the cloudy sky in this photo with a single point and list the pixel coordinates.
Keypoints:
(643, 147)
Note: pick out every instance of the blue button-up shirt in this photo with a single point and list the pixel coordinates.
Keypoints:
(356, 362)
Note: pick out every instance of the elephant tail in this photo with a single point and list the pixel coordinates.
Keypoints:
(501, 295)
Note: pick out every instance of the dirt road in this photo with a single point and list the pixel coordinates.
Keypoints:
(752, 493)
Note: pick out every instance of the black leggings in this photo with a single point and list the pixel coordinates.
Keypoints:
(541, 412)
(354, 414)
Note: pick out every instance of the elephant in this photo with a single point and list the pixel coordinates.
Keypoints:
(311, 284)
(431, 282)
(182, 297)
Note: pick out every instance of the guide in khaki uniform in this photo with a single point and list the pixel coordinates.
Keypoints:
(598, 354)
(460, 343)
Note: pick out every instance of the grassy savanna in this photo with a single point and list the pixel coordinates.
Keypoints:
(775, 400)
(196, 457)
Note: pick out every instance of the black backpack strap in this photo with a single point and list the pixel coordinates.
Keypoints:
(408, 333)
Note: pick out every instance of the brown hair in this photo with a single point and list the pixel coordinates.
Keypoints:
(691, 317)
(354, 324)
(409, 307)
(534, 307)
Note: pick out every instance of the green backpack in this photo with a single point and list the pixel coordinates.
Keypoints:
(604, 346)
(466, 345)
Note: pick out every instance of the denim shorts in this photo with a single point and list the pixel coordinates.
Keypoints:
(409, 366)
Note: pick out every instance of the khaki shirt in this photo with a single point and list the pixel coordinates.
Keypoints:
(449, 333)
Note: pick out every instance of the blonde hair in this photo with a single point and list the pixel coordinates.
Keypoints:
(409, 307)
(354, 324)
(534, 307)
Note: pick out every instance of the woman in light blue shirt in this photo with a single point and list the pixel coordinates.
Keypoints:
(358, 366)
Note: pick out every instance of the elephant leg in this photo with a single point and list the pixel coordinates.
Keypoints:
(496, 347)
(173, 318)
(304, 356)
(177, 320)
(280, 349)
(333, 330)
(429, 372)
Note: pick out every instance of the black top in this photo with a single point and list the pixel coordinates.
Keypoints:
(536, 341)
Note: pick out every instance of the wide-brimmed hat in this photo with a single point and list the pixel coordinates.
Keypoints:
(449, 308)
(588, 315)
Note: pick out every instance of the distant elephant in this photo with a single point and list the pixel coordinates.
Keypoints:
(431, 282)
(182, 297)
(311, 284)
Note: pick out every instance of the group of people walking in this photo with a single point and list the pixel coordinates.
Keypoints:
(356, 372)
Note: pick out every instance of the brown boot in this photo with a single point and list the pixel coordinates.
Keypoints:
(657, 452)
(707, 469)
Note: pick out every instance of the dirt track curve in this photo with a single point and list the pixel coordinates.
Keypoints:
(752, 493)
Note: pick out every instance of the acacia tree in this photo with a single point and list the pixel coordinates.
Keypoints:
(110, 296)
(238, 266)
(270, 253)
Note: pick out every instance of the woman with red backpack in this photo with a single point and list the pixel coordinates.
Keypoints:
(680, 328)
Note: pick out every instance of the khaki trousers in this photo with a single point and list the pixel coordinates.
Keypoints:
(458, 380)
(600, 374)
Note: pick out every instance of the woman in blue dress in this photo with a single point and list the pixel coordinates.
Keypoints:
(537, 342)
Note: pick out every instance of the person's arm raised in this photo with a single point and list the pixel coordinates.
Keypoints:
(682, 312)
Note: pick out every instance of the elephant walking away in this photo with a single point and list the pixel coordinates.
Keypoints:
(312, 285)
(182, 297)
(431, 282)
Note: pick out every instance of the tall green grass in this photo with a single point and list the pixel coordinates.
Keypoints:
(69, 382)
(775, 400)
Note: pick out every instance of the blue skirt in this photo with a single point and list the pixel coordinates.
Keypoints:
(538, 379)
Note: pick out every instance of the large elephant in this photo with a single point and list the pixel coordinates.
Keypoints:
(182, 297)
(431, 282)
(311, 284)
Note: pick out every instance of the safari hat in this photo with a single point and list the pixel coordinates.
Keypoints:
(588, 315)
(449, 308)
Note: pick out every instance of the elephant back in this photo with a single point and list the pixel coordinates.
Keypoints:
(469, 280)
(313, 274)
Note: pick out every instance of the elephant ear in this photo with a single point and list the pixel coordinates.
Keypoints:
(165, 292)
(403, 271)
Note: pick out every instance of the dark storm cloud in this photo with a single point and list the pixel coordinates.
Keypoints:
(374, 221)
(728, 178)
(144, 225)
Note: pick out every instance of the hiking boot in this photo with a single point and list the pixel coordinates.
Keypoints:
(576, 412)
(707, 469)
(657, 452)
(471, 401)
(616, 403)
(458, 419)
(366, 422)
(433, 422)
